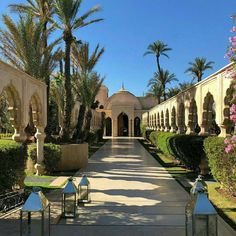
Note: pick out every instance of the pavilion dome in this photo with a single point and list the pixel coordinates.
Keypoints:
(123, 98)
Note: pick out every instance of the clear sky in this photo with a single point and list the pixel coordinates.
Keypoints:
(190, 27)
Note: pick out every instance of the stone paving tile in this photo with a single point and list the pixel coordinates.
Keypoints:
(58, 181)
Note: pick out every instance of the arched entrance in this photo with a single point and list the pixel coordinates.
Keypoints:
(123, 125)
(137, 131)
(209, 116)
(108, 125)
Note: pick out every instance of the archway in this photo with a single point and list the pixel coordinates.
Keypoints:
(173, 120)
(167, 120)
(158, 121)
(193, 117)
(155, 121)
(209, 116)
(108, 125)
(162, 121)
(35, 117)
(227, 123)
(5, 123)
(137, 131)
(181, 119)
(123, 125)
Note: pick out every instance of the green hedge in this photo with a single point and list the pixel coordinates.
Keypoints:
(13, 158)
(143, 130)
(6, 136)
(188, 149)
(160, 139)
(52, 155)
(223, 165)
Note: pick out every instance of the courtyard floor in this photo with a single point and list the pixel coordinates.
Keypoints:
(132, 194)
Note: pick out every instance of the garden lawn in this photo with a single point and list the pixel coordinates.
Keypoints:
(41, 181)
(225, 206)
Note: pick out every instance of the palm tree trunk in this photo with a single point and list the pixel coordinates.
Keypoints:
(68, 93)
(47, 76)
(199, 78)
(88, 118)
(78, 130)
(164, 92)
(158, 64)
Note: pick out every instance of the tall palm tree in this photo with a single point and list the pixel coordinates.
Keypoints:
(198, 67)
(185, 85)
(162, 78)
(84, 63)
(67, 13)
(156, 91)
(40, 9)
(57, 93)
(87, 86)
(173, 91)
(43, 11)
(22, 45)
(82, 60)
(158, 48)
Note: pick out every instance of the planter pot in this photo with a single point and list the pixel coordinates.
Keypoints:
(74, 156)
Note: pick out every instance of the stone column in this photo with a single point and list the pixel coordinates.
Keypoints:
(188, 120)
(40, 136)
(19, 134)
(131, 129)
(104, 130)
(114, 128)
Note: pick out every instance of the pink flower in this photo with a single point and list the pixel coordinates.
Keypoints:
(233, 138)
(229, 148)
(233, 29)
(226, 141)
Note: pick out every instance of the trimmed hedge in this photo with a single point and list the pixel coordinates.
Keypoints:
(161, 140)
(52, 155)
(188, 149)
(6, 136)
(13, 158)
(223, 165)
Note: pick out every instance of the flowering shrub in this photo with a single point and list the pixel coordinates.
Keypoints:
(231, 55)
(222, 164)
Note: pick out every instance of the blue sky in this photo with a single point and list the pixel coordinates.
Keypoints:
(190, 27)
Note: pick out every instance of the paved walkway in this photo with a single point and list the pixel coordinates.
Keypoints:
(131, 195)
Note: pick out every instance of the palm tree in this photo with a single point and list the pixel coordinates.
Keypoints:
(185, 85)
(156, 91)
(67, 13)
(87, 86)
(158, 48)
(173, 91)
(57, 94)
(162, 78)
(43, 11)
(84, 64)
(22, 45)
(82, 60)
(198, 67)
